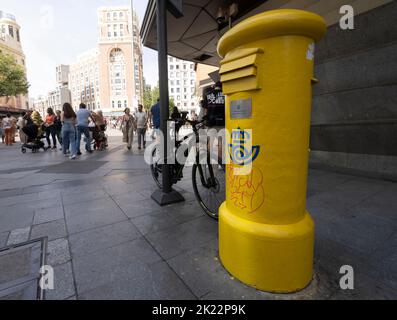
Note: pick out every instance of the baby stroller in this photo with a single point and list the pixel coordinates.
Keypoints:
(34, 139)
(100, 138)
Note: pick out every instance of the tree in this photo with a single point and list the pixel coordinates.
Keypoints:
(147, 98)
(12, 78)
(155, 94)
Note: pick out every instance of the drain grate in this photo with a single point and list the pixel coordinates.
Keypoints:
(20, 270)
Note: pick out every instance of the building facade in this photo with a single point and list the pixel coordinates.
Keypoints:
(84, 80)
(10, 44)
(182, 84)
(110, 77)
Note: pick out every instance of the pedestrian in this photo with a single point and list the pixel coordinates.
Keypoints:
(127, 127)
(58, 127)
(20, 125)
(141, 118)
(83, 117)
(49, 126)
(68, 118)
(14, 127)
(2, 132)
(155, 118)
(7, 127)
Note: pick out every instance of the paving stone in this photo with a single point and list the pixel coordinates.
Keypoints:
(63, 283)
(363, 232)
(3, 239)
(155, 282)
(48, 215)
(184, 237)
(352, 192)
(155, 222)
(53, 230)
(58, 252)
(135, 209)
(87, 196)
(185, 211)
(101, 268)
(15, 217)
(102, 238)
(202, 271)
(93, 217)
(18, 236)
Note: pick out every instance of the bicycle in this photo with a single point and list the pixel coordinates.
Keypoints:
(208, 179)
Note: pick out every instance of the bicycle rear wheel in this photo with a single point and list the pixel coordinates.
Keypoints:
(156, 169)
(212, 193)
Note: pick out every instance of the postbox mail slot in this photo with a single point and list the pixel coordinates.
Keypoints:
(239, 72)
(238, 64)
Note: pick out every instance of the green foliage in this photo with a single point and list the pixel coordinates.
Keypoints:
(12, 77)
(151, 97)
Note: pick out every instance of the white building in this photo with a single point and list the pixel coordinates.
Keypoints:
(58, 97)
(84, 80)
(110, 77)
(182, 84)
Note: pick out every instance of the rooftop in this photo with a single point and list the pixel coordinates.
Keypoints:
(5, 15)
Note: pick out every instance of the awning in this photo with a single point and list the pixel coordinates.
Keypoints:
(195, 36)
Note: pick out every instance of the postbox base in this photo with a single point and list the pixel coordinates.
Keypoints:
(272, 258)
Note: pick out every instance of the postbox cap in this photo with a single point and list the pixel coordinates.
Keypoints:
(272, 24)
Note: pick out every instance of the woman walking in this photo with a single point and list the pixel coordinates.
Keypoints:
(127, 128)
(7, 127)
(58, 127)
(50, 130)
(68, 118)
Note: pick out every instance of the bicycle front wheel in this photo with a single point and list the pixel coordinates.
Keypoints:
(210, 189)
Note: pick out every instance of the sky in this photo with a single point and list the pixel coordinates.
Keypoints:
(55, 32)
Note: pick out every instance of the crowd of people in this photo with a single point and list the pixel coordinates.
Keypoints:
(66, 128)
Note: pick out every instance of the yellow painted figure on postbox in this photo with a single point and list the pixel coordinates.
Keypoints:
(266, 234)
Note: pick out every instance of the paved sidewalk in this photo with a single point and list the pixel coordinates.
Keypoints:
(109, 240)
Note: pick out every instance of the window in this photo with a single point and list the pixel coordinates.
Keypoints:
(125, 104)
(119, 104)
(113, 104)
(108, 16)
(18, 38)
(114, 15)
(177, 67)
(121, 27)
(121, 15)
(11, 31)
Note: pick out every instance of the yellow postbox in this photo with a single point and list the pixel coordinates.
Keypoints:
(266, 234)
